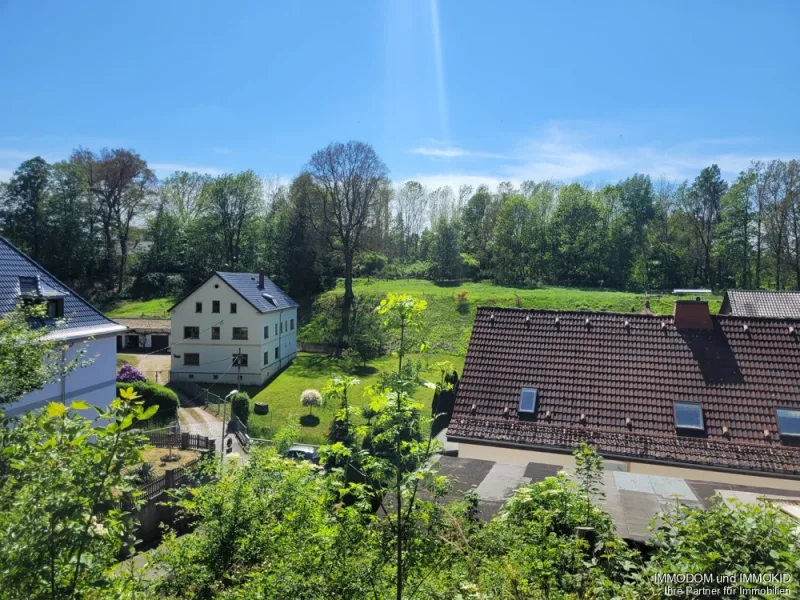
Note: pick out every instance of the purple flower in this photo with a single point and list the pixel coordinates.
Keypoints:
(130, 374)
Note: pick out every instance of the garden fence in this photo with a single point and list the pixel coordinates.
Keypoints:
(172, 478)
(240, 429)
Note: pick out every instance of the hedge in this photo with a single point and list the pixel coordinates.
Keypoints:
(240, 406)
(155, 393)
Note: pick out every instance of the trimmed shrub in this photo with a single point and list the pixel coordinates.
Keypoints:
(155, 394)
(311, 398)
(240, 406)
(130, 374)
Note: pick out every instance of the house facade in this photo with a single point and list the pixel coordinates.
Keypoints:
(72, 321)
(694, 396)
(144, 334)
(233, 315)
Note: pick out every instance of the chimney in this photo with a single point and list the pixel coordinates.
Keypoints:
(692, 314)
(261, 279)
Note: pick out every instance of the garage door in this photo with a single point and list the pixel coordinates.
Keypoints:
(159, 342)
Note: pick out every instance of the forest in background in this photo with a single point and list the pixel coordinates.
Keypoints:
(104, 223)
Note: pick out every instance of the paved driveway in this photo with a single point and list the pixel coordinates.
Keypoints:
(194, 419)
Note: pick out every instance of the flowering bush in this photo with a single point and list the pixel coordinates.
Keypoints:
(130, 374)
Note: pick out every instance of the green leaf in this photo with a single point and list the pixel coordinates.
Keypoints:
(80, 405)
(148, 413)
(56, 409)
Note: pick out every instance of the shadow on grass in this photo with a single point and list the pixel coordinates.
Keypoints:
(314, 365)
(309, 420)
(364, 370)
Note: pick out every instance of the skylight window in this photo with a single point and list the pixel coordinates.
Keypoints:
(789, 421)
(527, 400)
(689, 415)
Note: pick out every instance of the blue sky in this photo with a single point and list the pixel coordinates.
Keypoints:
(447, 91)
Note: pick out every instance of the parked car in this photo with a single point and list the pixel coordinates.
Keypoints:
(303, 452)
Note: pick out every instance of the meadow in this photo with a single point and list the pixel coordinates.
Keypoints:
(448, 323)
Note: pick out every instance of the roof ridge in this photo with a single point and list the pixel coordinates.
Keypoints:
(575, 312)
(56, 279)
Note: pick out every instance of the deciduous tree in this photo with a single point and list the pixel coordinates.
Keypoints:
(351, 177)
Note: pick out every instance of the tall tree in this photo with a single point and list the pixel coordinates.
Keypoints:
(233, 200)
(515, 244)
(793, 197)
(123, 185)
(444, 254)
(735, 230)
(411, 201)
(758, 170)
(184, 192)
(478, 220)
(23, 210)
(702, 206)
(71, 224)
(576, 237)
(351, 176)
(776, 216)
(635, 196)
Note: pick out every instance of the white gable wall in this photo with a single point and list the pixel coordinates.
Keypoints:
(95, 383)
(215, 356)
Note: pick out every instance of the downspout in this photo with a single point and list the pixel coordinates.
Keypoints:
(280, 335)
(63, 376)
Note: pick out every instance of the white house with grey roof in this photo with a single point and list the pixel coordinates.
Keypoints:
(233, 315)
(74, 322)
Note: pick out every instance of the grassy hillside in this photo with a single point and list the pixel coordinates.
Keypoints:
(152, 309)
(449, 326)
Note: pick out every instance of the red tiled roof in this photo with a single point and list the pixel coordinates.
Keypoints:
(740, 370)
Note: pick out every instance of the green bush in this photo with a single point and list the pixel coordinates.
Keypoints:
(240, 406)
(369, 263)
(155, 394)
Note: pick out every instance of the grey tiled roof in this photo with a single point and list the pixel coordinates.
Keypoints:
(265, 300)
(17, 270)
(762, 303)
(246, 284)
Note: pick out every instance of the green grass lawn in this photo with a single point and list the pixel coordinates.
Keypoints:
(151, 309)
(448, 328)
(312, 371)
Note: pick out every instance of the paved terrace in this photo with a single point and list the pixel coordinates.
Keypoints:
(632, 499)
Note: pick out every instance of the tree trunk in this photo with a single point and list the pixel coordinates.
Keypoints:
(348, 296)
(758, 253)
(123, 262)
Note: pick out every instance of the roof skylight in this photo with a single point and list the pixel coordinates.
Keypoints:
(789, 421)
(527, 400)
(689, 415)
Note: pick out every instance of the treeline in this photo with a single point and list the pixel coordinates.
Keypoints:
(106, 224)
(635, 234)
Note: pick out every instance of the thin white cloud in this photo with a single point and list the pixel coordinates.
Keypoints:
(5, 174)
(580, 150)
(163, 169)
(453, 152)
